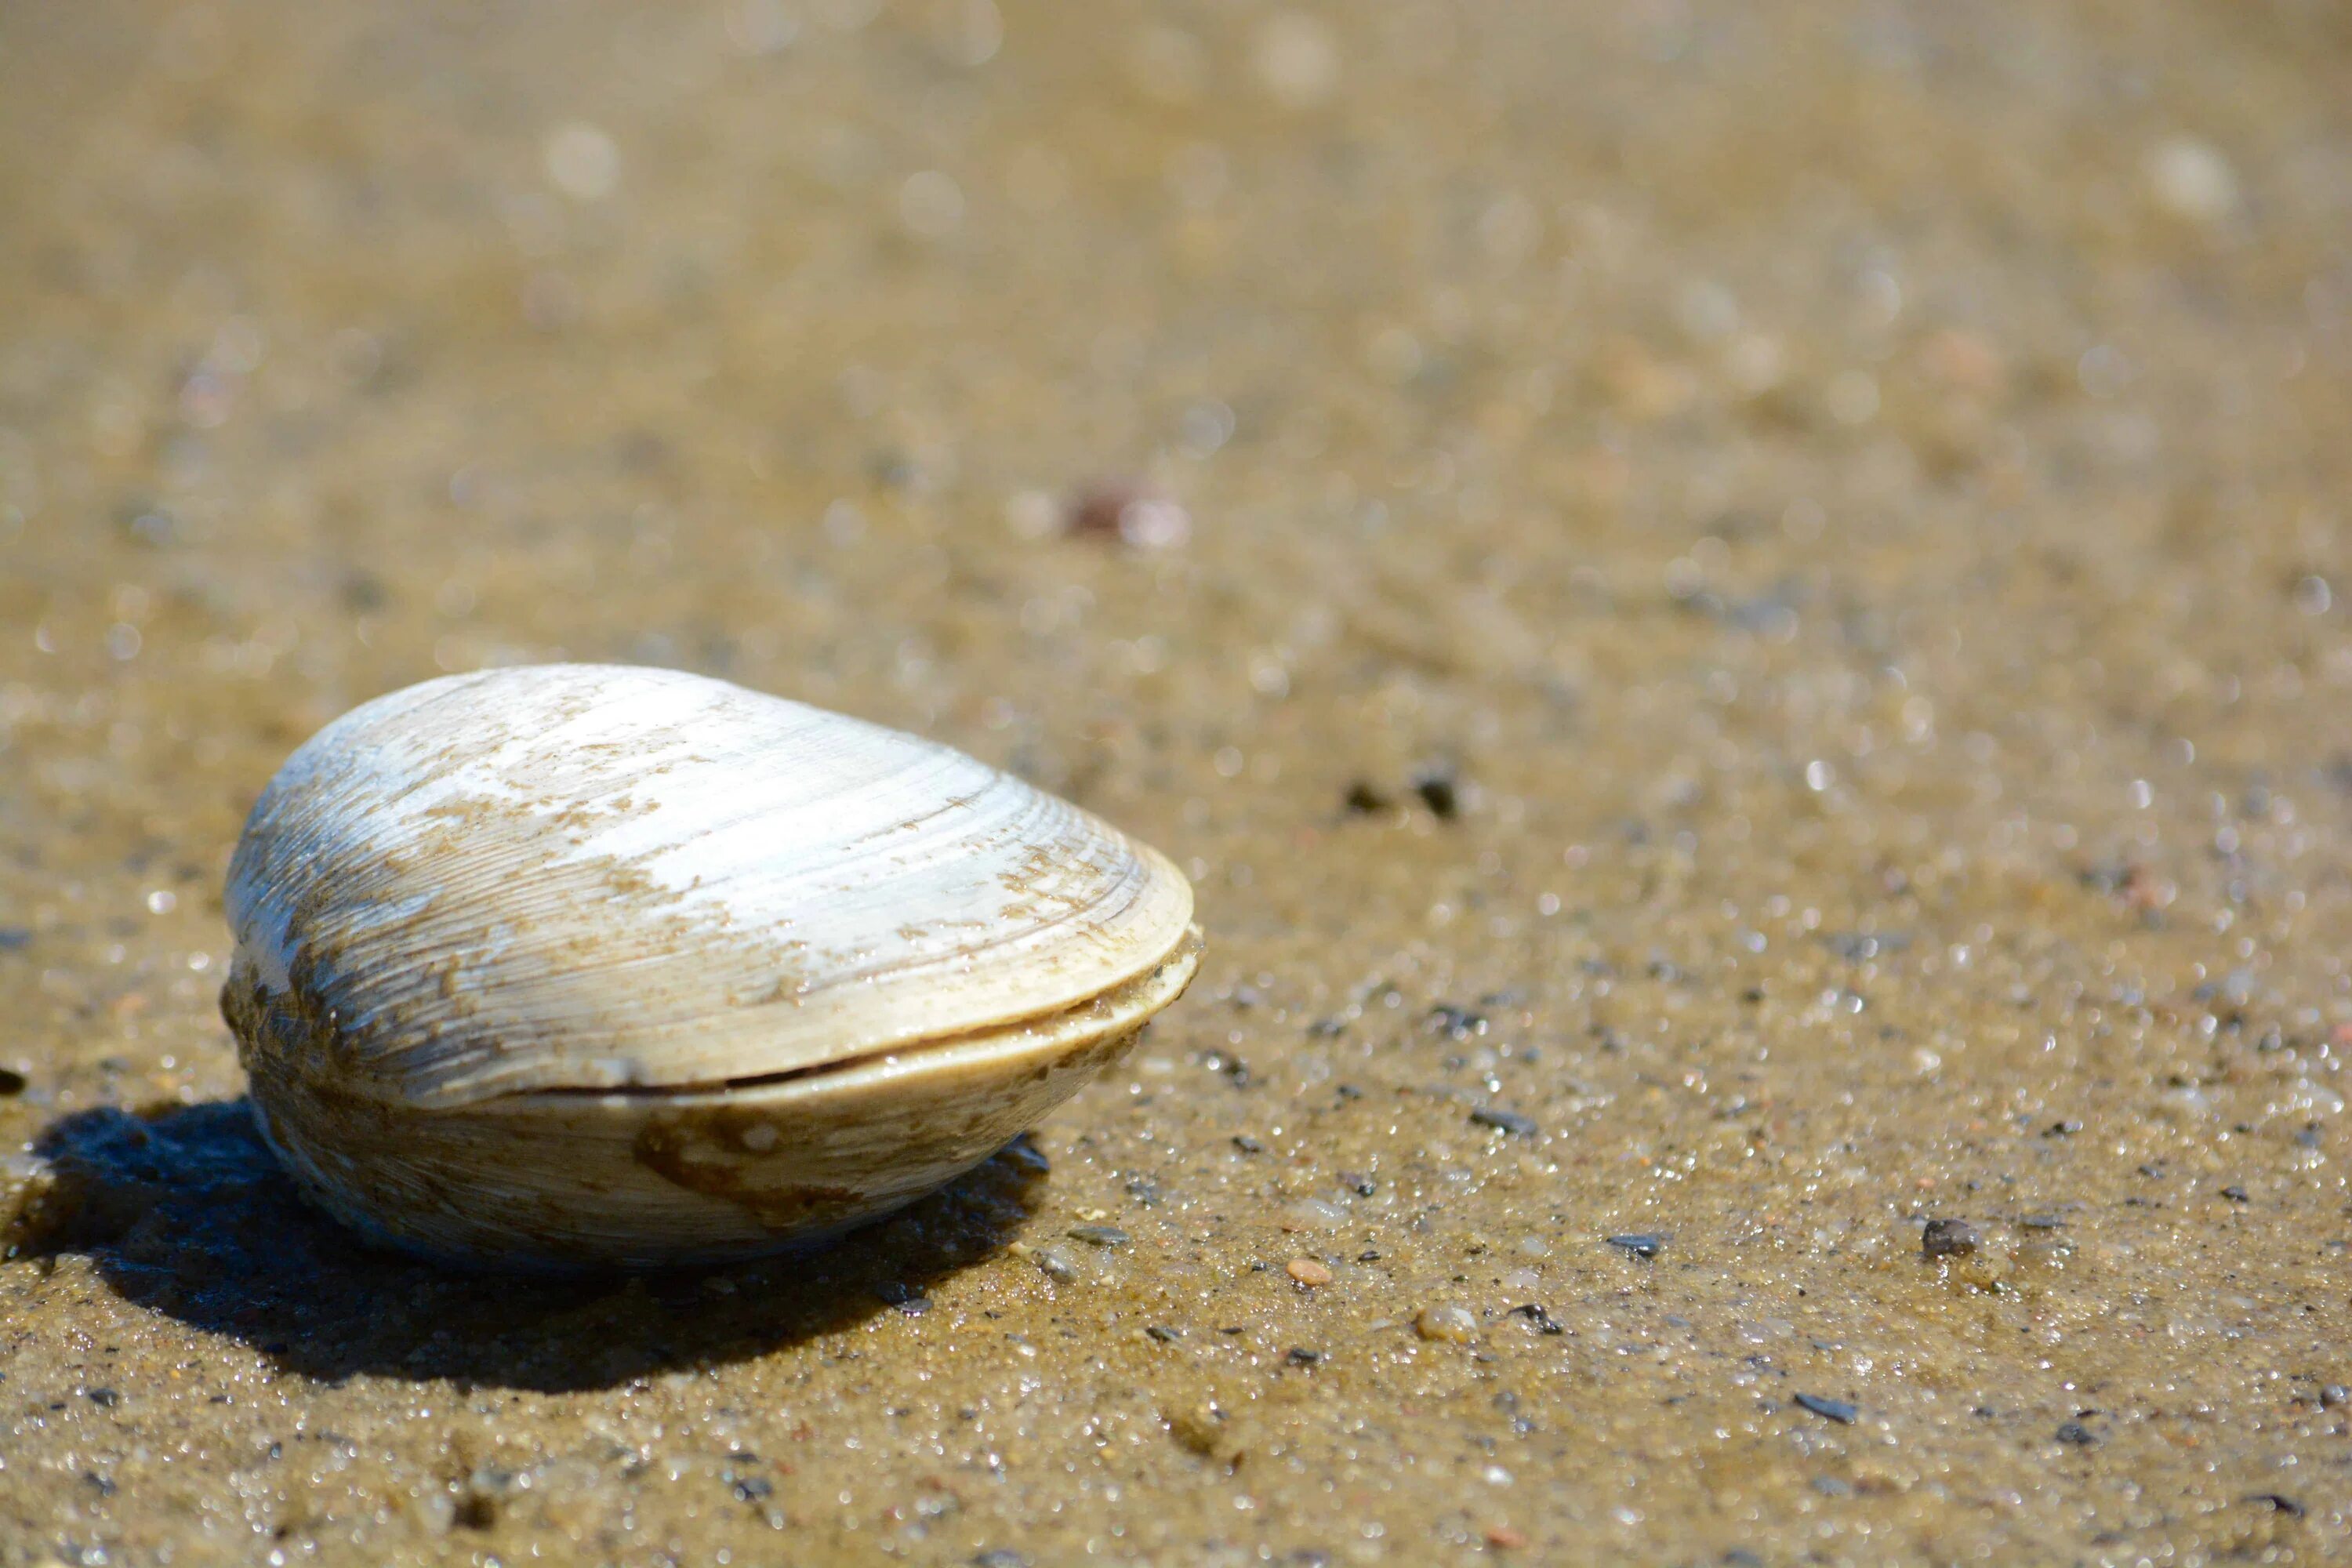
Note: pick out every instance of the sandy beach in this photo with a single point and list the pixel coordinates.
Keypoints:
(1738, 613)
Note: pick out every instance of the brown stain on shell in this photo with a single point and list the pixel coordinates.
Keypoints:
(703, 1151)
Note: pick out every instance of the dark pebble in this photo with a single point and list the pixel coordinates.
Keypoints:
(1247, 1144)
(1948, 1239)
(1456, 1023)
(1164, 1334)
(2041, 1221)
(906, 1297)
(754, 1489)
(10, 1082)
(2062, 1129)
(1097, 510)
(363, 591)
(1026, 1154)
(2074, 1432)
(1364, 800)
(1437, 792)
(1509, 1121)
(1740, 1557)
(1836, 1410)
(104, 1398)
(2335, 1393)
(1367, 1256)
(1356, 1182)
(1640, 1244)
(2235, 1195)
(14, 939)
(1299, 1355)
(1538, 1316)
(2278, 1502)
(1099, 1235)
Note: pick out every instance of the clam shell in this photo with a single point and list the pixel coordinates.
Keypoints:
(575, 963)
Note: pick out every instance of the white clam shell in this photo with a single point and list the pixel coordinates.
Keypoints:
(589, 963)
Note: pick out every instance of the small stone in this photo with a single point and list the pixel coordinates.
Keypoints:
(1640, 1244)
(1456, 1023)
(1501, 1121)
(1299, 1355)
(1132, 515)
(2041, 1221)
(1454, 1325)
(999, 1557)
(1364, 800)
(1056, 1264)
(1313, 1213)
(2277, 1503)
(582, 162)
(1099, 1235)
(1948, 1239)
(10, 1082)
(1247, 1144)
(1836, 1410)
(1307, 1272)
(2334, 1394)
(1503, 1538)
(1438, 793)
(2235, 1195)
(2075, 1433)
(2191, 179)
(1538, 1318)
(1205, 1430)
(1164, 1334)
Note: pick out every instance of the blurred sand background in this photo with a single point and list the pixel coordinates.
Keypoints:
(1761, 586)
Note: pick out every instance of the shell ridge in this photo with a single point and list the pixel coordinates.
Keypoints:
(775, 925)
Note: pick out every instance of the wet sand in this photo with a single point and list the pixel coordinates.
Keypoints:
(1747, 646)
